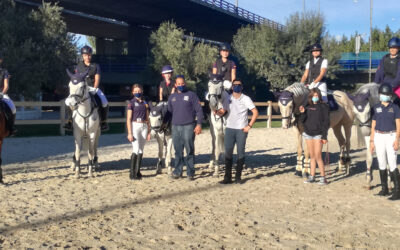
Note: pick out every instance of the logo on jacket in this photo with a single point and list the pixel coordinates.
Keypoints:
(186, 98)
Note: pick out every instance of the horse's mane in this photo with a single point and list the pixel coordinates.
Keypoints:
(298, 89)
(371, 87)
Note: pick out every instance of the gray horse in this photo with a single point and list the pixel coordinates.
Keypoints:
(364, 99)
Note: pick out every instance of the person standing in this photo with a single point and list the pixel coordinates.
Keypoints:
(384, 139)
(315, 118)
(237, 129)
(187, 116)
(4, 86)
(314, 75)
(223, 66)
(138, 126)
(167, 87)
(92, 80)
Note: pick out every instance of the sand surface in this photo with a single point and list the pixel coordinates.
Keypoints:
(44, 206)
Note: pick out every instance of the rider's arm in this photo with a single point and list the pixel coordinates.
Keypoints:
(396, 81)
(160, 90)
(96, 80)
(5, 89)
(214, 69)
(304, 77)
(233, 71)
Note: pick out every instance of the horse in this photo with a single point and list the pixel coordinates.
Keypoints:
(4, 132)
(85, 120)
(216, 93)
(289, 102)
(163, 137)
(364, 99)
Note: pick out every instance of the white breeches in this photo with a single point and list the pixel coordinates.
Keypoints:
(100, 94)
(9, 103)
(139, 132)
(322, 87)
(384, 150)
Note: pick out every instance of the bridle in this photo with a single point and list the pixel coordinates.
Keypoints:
(290, 116)
(80, 98)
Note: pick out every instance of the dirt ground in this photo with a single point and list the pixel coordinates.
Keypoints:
(44, 206)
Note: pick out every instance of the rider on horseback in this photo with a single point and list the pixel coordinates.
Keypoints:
(389, 68)
(10, 110)
(92, 79)
(314, 75)
(223, 66)
(167, 87)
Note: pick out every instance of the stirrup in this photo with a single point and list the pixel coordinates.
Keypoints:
(68, 126)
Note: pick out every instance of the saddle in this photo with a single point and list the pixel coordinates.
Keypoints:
(7, 111)
(333, 106)
(95, 100)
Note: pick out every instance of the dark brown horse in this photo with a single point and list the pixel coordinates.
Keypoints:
(4, 132)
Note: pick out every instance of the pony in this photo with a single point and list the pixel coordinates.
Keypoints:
(4, 132)
(216, 95)
(364, 99)
(163, 136)
(85, 121)
(289, 102)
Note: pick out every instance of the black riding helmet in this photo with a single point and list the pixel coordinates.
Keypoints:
(86, 50)
(316, 47)
(394, 42)
(225, 46)
(385, 89)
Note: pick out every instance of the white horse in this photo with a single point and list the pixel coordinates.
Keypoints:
(364, 99)
(216, 95)
(289, 102)
(85, 120)
(164, 138)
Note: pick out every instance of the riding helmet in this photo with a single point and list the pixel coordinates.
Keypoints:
(167, 69)
(385, 89)
(394, 43)
(86, 50)
(225, 46)
(316, 47)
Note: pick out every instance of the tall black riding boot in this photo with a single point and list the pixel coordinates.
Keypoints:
(396, 181)
(103, 118)
(68, 125)
(228, 172)
(1, 176)
(132, 167)
(384, 177)
(138, 165)
(239, 168)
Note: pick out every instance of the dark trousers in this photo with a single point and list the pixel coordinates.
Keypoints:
(232, 137)
(183, 138)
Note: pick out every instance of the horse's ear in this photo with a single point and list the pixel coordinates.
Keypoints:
(351, 96)
(69, 73)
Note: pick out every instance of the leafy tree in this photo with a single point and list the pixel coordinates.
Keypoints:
(37, 47)
(171, 46)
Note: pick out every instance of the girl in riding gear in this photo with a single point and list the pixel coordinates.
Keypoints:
(4, 86)
(93, 80)
(167, 87)
(237, 128)
(314, 75)
(223, 66)
(315, 118)
(384, 139)
(138, 126)
(389, 68)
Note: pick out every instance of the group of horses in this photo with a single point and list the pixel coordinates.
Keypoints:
(86, 125)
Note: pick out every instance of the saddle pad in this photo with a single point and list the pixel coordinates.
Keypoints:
(333, 106)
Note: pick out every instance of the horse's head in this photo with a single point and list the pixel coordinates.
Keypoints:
(286, 106)
(215, 88)
(78, 89)
(156, 115)
(362, 108)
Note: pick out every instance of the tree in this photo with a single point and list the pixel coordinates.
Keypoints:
(171, 46)
(37, 47)
(280, 56)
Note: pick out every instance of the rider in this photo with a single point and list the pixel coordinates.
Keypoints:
(93, 80)
(4, 86)
(385, 133)
(223, 66)
(167, 87)
(314, 75)
(389, 67)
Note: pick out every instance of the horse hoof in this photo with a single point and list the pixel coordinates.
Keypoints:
(298, 173)
(304, 175)
(159, 171)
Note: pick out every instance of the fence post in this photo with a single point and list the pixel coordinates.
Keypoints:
(269, 114)
(62, 117)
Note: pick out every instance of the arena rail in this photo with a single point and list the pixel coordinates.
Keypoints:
(62, 120)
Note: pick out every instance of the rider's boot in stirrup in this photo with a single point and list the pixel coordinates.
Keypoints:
(103, 118)
(68, 124)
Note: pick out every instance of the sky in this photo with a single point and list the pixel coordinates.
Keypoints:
(342, 17)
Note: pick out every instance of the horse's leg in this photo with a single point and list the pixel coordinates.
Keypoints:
(218, 149)
(299, 140)
(169, 154)
(368, 162)
(160, 140)
(96, 145)
(213, 139)
(77, 160)
(91, 150)
(1, 161)
(347, 133)
(339, 136)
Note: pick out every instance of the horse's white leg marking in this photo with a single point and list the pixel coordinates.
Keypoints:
(169, 154)
(78, 144)
(339, 136)
(368, 162)
(160, 141)
(347, 133)
(213, 139)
